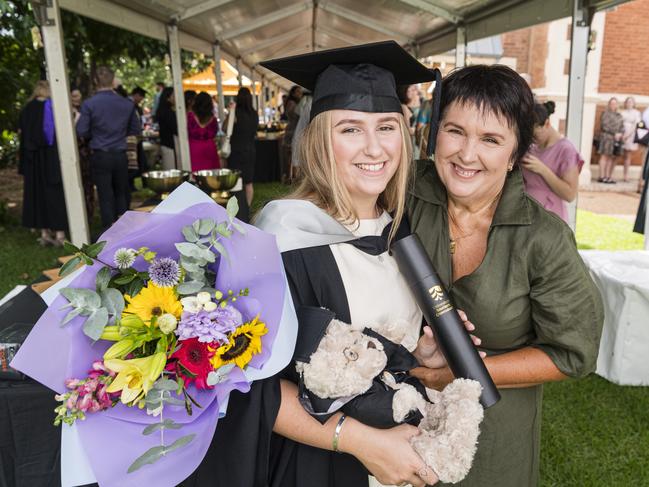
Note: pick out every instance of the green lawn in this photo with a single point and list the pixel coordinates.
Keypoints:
(594, 432)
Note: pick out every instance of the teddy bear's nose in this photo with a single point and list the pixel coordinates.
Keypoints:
(371, 345)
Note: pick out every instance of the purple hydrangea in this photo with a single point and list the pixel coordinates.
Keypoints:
(164, 272)
(209, 326)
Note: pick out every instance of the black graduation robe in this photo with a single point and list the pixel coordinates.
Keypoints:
(245, 452)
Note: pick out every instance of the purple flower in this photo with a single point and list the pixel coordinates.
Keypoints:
(164, 272)
(209, 326)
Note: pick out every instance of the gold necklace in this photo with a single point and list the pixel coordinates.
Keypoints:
(463, 234)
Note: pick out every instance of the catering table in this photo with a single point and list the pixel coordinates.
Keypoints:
(623, 280)
(268, 166)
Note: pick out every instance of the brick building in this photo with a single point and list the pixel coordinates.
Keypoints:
(618, 65)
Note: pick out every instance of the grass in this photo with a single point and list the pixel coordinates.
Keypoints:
(594, 433)
(604, 232)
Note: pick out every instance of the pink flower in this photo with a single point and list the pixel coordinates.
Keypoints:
(72, 383)
(84, 403)
(71, 403)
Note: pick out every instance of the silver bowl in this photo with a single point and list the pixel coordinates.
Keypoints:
(163, 182)
(216, 179)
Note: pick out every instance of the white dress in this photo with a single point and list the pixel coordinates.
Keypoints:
(631, 119)
(376, 291)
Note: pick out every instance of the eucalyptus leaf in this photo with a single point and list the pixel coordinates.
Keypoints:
(222, 229)
(94, 325)
(189, 287)
(208, 255)
(165, 385)
(190, 234)
(150, 456)
(239, 228)
(113, 301)
(173, 401)
(221, 250)
(93, 250)
(218, 376)
(167, 424)
(232, 208)
(103, 278)
(71, 315)
(81, 298)
(189, 265)
(69, 266)
(179, 443)
(206, 226)
(188, 249)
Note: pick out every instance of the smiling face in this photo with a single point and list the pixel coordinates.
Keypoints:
(367, 149)
(473, 154)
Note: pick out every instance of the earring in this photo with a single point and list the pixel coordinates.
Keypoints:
(510, 167)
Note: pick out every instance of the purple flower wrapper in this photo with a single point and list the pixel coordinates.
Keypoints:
(113, 439)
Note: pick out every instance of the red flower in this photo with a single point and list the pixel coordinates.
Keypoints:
(192, 362)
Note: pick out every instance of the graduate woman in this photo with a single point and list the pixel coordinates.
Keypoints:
(333, 233)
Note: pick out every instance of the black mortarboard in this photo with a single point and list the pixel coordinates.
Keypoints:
(362, 78)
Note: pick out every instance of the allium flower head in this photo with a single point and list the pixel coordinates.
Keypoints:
(124, 258)
(164, 272)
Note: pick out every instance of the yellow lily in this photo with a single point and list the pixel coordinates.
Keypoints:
(120, 348)
(111, 333)
(135, 377)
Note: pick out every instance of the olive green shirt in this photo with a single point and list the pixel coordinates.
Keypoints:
(531, 289)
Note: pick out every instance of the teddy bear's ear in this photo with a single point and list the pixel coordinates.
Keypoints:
(313, 325)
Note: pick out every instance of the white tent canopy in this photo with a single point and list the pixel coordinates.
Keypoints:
(245, 32)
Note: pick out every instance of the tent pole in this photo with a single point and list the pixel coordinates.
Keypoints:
(577, 85)
(216, 54)
(239, 75)
(181, 113)
(49, 18)
(460, 47)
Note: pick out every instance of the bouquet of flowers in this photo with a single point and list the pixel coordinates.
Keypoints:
(148, 340)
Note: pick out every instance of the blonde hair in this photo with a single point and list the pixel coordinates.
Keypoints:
(41, 90)
(321, 184)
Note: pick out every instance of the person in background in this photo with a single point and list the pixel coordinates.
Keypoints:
(106, 120)
(242, 141)
(303, 109)
(551, 166)
(137, 97)
(611, 131)
(43, 198)
(190, 96)
(84, 154)
(159, 86)
(410, 104)
(631, 117)
(202, 128)
(168, 126)
(294, 96)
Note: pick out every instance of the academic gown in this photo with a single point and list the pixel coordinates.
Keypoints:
(245, 452)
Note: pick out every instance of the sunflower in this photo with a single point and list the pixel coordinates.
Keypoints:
(244, 342)
(153, 301)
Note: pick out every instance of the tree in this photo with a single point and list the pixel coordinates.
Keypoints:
(88, 44)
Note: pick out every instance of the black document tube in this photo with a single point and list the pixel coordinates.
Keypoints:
(453, 339)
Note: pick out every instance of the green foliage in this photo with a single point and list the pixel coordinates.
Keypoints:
(603, 232)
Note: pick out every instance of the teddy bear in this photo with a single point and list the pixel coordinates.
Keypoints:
(362, 372)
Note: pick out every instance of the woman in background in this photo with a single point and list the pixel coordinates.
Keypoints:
(242, 141)
(551, 166)
(166, 118)
(43, 199)
(202, 128)
(611, 130)
(631, 117)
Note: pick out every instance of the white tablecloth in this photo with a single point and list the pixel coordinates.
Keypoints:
(623, 280)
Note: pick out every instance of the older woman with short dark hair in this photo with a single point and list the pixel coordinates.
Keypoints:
(509, 263)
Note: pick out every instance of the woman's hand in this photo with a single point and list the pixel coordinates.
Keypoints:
(428, 353)
(534, 164)
(387, 453)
